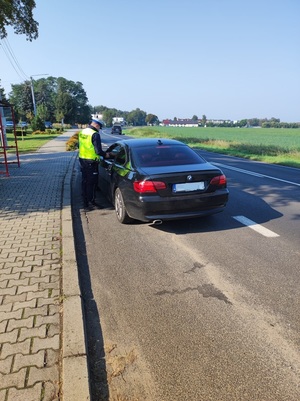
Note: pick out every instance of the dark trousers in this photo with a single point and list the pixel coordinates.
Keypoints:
(89, 170)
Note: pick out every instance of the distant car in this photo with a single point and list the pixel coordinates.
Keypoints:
(23, 124)
(152, 180)
(48, 124)
(116, 129)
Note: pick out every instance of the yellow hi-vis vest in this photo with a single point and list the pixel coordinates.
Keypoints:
(86, 147)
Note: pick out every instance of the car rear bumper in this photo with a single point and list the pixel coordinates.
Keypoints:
(149, 208)
(185, 215)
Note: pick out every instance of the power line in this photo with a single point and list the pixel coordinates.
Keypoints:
(13, 59)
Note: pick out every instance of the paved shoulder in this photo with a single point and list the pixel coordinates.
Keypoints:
(38, 350)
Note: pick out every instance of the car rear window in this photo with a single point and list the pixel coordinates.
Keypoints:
(165, 155)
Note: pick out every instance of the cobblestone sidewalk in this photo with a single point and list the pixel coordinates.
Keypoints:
(31, 277)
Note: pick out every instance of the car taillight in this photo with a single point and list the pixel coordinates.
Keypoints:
(148, 186)
(219, 180)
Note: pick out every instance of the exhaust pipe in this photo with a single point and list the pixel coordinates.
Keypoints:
(157, 222)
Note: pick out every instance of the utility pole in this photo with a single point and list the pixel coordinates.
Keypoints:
(33, 98)
(32, 91)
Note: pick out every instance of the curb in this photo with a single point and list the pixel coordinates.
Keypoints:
(75, 379)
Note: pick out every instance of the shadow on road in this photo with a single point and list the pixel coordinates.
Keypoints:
(93, 332)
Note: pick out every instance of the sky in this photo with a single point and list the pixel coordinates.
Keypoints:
(225, 59)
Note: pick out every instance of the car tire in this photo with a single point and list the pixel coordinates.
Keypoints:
(120, 208)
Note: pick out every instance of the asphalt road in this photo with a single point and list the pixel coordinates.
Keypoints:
(197, 310)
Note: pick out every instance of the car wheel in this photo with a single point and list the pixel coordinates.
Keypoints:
(120, 208)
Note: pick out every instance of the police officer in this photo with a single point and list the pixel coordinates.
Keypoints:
(90, 150)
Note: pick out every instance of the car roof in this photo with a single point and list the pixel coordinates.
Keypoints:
(139, 142)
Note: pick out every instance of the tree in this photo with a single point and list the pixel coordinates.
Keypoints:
(151, 119)
(19, 15)
(108, 115)
(84, 114)
(64, 106)
(195, 118)
(44, 93)
(2, 93)
(21, 98)
(37, 124)
(253, 122)
(137, 117)
(42, 112)
(59, 98)
(204, 119)
(243, 122)
(99, 109)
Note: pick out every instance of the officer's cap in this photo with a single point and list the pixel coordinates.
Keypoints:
(96, 120)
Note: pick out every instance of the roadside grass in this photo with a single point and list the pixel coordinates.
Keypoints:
(30, 142)
(269, 145)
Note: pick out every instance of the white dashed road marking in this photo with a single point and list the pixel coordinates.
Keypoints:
(256, 174)
(256, 227)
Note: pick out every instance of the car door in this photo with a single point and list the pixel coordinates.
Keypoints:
(113, 171)
(120, 168)
(122, 175)
(105, 170)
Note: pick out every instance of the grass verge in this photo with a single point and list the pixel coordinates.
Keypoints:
(29, 142)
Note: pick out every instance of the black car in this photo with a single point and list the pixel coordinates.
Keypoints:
(152, 180)
(116, 129)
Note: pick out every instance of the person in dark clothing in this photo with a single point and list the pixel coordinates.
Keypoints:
(90, 150)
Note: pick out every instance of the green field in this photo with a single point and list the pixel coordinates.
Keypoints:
(270, 145)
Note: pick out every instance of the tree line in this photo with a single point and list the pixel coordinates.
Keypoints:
(254, 122)
(63, 101)
(135, 117)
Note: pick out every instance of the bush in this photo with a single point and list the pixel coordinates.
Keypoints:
(52, 131)
(72, 143)
(61, 127)
(38, 132)
(37, 124)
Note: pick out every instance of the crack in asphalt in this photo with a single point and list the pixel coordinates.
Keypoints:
(206, 290)
(197, 266)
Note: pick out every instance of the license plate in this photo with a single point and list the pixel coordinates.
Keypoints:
(189, 186)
